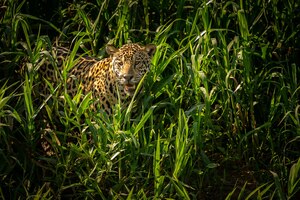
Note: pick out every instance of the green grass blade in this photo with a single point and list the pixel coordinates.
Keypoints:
(279, 190)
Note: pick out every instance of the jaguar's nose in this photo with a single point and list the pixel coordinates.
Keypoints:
(128, 77)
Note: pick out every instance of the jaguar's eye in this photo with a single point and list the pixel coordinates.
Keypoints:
(137, 64)
(120, 63)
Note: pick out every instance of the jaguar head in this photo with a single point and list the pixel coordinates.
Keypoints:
(130, 63)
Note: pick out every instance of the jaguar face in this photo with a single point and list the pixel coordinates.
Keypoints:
(130, 63)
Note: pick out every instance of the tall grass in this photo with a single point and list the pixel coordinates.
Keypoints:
(217, 117)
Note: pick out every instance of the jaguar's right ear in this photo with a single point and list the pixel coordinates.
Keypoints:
(150, 49)
(110, 49)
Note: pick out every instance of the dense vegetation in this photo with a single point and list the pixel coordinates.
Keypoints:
(218, 118)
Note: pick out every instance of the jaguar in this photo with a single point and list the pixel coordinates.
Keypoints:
(110, 80)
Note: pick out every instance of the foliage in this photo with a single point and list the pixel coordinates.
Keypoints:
(218, 117)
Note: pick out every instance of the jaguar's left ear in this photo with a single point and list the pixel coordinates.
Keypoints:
(150, 49)
(110, 49)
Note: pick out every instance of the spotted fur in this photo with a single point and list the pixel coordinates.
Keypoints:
(110, 79)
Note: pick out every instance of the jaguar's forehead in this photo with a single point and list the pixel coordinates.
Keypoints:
(128, 50)
(131, 52)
